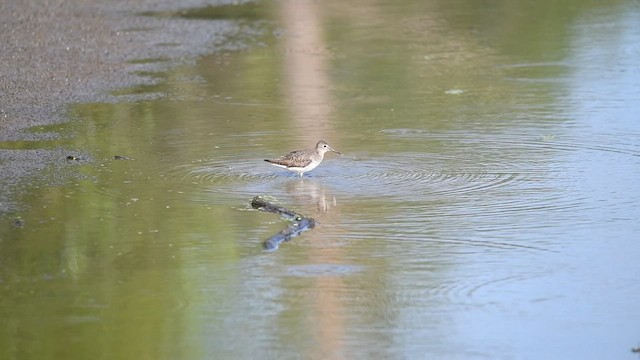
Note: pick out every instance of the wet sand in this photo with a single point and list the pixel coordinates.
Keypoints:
(61, 52)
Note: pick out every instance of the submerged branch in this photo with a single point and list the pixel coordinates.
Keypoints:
(300, 222)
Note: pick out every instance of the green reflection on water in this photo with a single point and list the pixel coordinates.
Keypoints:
(145, 258)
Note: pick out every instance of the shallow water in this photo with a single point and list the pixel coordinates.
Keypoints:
(486, 205)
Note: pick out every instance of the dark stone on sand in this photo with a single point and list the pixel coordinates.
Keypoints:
(18, 222)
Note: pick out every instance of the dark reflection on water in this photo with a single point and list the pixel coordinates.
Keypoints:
(486, 205)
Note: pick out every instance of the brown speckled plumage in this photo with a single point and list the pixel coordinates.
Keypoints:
(301, 161)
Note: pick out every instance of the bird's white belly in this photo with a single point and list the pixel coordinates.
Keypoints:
(299, 170)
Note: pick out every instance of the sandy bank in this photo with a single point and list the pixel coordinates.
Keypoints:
(59, 52)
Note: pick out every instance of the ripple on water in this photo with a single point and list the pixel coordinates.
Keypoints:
(323, 270)
(489, 181)
(480, 289)
(499, 185)
(228, 180)
(414, 176)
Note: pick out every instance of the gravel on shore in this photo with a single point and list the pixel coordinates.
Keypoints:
(59, 52)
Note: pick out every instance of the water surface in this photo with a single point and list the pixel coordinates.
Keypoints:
(486, 205)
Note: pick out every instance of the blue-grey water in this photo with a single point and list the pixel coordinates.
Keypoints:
(487, 204)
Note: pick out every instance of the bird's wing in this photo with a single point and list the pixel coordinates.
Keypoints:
(296, 158)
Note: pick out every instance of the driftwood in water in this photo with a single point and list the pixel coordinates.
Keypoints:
(300, 222)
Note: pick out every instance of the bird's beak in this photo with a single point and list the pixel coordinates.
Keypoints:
(337, 152)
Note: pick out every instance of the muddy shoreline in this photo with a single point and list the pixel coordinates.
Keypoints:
(61, 52)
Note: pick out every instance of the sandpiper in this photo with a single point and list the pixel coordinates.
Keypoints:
(301, 161)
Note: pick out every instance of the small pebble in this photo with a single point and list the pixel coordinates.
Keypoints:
(18, 222)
